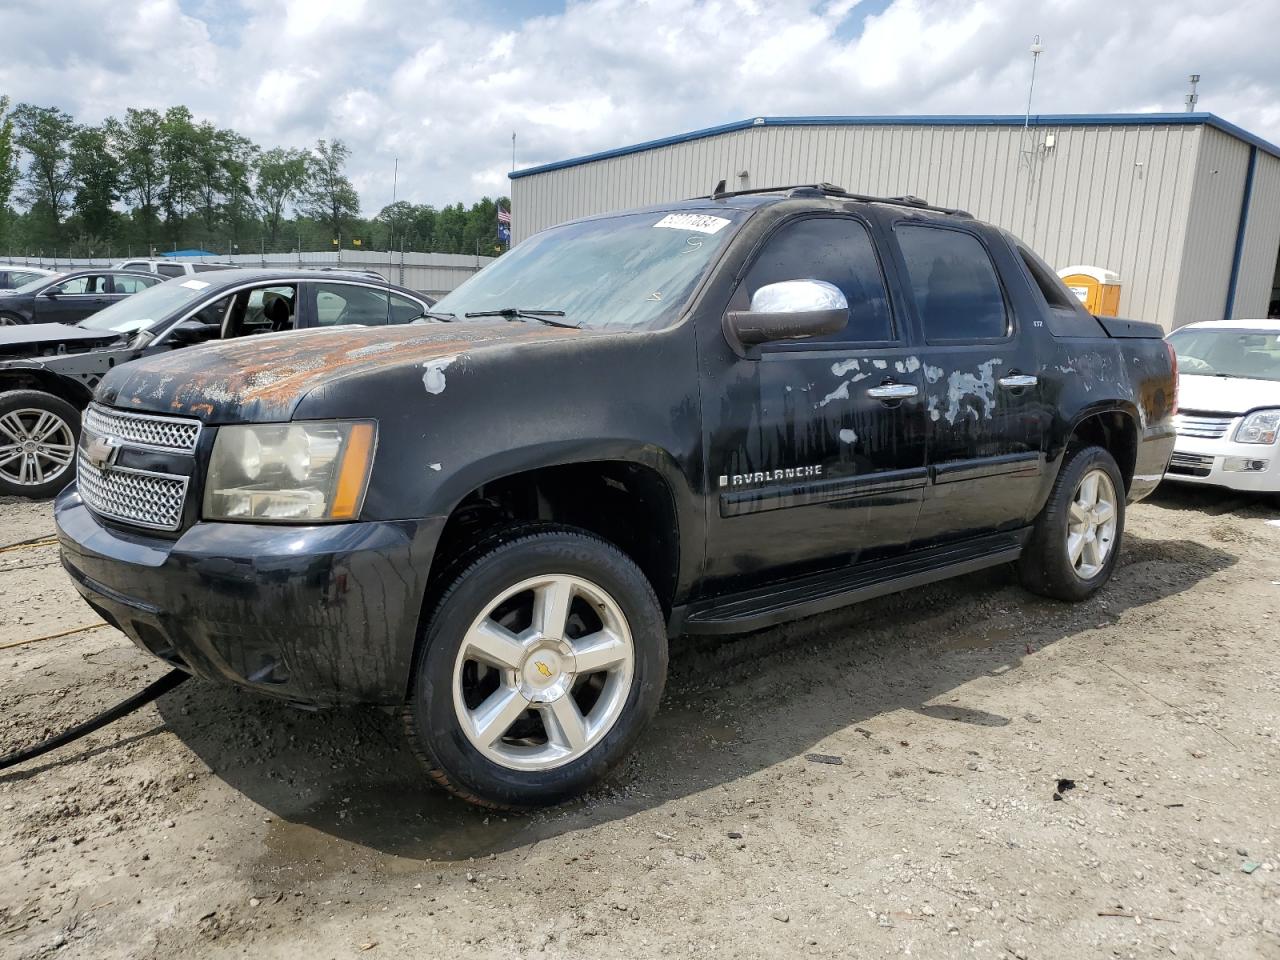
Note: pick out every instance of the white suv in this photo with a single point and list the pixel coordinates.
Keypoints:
(172, 268)
(1228, 418)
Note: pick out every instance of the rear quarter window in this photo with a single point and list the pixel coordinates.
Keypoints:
(1065, 316)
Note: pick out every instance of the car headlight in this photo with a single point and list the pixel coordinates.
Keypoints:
(289, 472)
(1259, 427)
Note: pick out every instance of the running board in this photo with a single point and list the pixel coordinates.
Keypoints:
(818, 593)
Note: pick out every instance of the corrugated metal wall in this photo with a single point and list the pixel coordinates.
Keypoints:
(1217, 198)
(1261, 241)
(1121, 197)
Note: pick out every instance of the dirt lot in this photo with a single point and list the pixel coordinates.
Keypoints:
(214, 824)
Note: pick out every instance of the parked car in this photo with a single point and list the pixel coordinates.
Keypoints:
(13, 276)
(70, 297)
(1229, 405)
(48, 370)
(699, 418)
(173, 268)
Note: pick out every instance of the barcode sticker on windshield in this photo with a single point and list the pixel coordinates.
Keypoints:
(196, 284)
(698, 222)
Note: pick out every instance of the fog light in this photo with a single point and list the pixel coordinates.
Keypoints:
(1243, 464)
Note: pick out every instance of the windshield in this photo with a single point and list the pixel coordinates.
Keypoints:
(634, 271)
(142, 310)
(31, 286)
(1228, 353)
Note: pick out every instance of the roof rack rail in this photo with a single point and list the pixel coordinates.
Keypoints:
(831, 190)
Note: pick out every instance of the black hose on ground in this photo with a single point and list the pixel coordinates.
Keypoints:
(125, 707)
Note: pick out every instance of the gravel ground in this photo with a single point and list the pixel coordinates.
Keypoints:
(216, 824)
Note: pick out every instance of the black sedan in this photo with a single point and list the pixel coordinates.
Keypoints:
(70, 297)
(48, 370)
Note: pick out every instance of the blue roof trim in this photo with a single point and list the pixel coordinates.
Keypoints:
(937, 120)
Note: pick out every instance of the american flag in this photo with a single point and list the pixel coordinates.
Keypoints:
(504, 216)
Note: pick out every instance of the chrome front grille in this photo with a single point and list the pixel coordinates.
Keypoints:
(1191, 464)
(134, 496)
(169, 433)
(109, 477)
(1204, 426)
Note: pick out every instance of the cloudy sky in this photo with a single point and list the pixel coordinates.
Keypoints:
(442, 85)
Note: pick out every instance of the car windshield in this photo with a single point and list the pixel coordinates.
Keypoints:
(634, 271)
(1205, 352)
(142, 310)
(31, 286)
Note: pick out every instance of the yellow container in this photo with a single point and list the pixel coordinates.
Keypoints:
(1097, 287)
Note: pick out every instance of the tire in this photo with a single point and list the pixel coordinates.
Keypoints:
(36, 465)
(1046, 566)
(545, 756)
(11, 320)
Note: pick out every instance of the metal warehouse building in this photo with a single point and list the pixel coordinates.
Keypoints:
(1184, 209)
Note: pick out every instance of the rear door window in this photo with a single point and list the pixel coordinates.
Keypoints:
(133, 284)
(342, 303)
(954, 284)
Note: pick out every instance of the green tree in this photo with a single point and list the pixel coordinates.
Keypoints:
(95, 174)
(397, 220)
(328, 196)
(423, 230)
(179, 184)
(280, 174)
(451, 229)
(239, 157)
(135, 141)
(45, 134)
(8, 164)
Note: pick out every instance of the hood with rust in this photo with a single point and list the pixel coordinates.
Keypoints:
(261, 378)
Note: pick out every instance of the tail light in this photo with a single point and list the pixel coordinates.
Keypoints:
(1173, 362)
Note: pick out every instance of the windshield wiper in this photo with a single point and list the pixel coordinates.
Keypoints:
(515, 313)
(442, 317)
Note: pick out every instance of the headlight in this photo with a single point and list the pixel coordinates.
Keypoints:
(289, 472)
(1260, 427)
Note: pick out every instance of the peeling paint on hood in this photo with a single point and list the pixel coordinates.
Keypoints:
(264, 377)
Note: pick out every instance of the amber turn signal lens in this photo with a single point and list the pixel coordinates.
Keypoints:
(354, 473)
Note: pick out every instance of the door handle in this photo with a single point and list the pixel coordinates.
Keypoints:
(1016, 380)
(893, 391)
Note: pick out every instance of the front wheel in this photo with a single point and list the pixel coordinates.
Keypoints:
(540, 667)
(1076, 540)
(38, 434)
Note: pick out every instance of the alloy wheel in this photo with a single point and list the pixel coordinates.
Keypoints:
(1091, 524)
(36, 446)
(543, 673)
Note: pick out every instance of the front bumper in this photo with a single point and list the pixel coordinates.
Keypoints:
(1204, 461)
(313, 614)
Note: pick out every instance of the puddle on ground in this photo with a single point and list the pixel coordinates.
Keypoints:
(983, 639)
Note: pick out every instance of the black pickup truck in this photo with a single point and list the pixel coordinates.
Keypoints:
(705, 417)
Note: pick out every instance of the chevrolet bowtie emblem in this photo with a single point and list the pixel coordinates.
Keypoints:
(543, 668)
(102, 452)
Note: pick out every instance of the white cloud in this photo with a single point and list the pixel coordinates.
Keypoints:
(442, 84)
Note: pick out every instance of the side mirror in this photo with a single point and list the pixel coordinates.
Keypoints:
(789, 310)
(191, 332)
(52, 293)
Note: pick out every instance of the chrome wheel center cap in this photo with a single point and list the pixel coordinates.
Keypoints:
(547, 672)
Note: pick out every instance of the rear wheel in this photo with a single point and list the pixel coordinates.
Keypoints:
(1076, 540)
(541, 665)
(38, 434)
